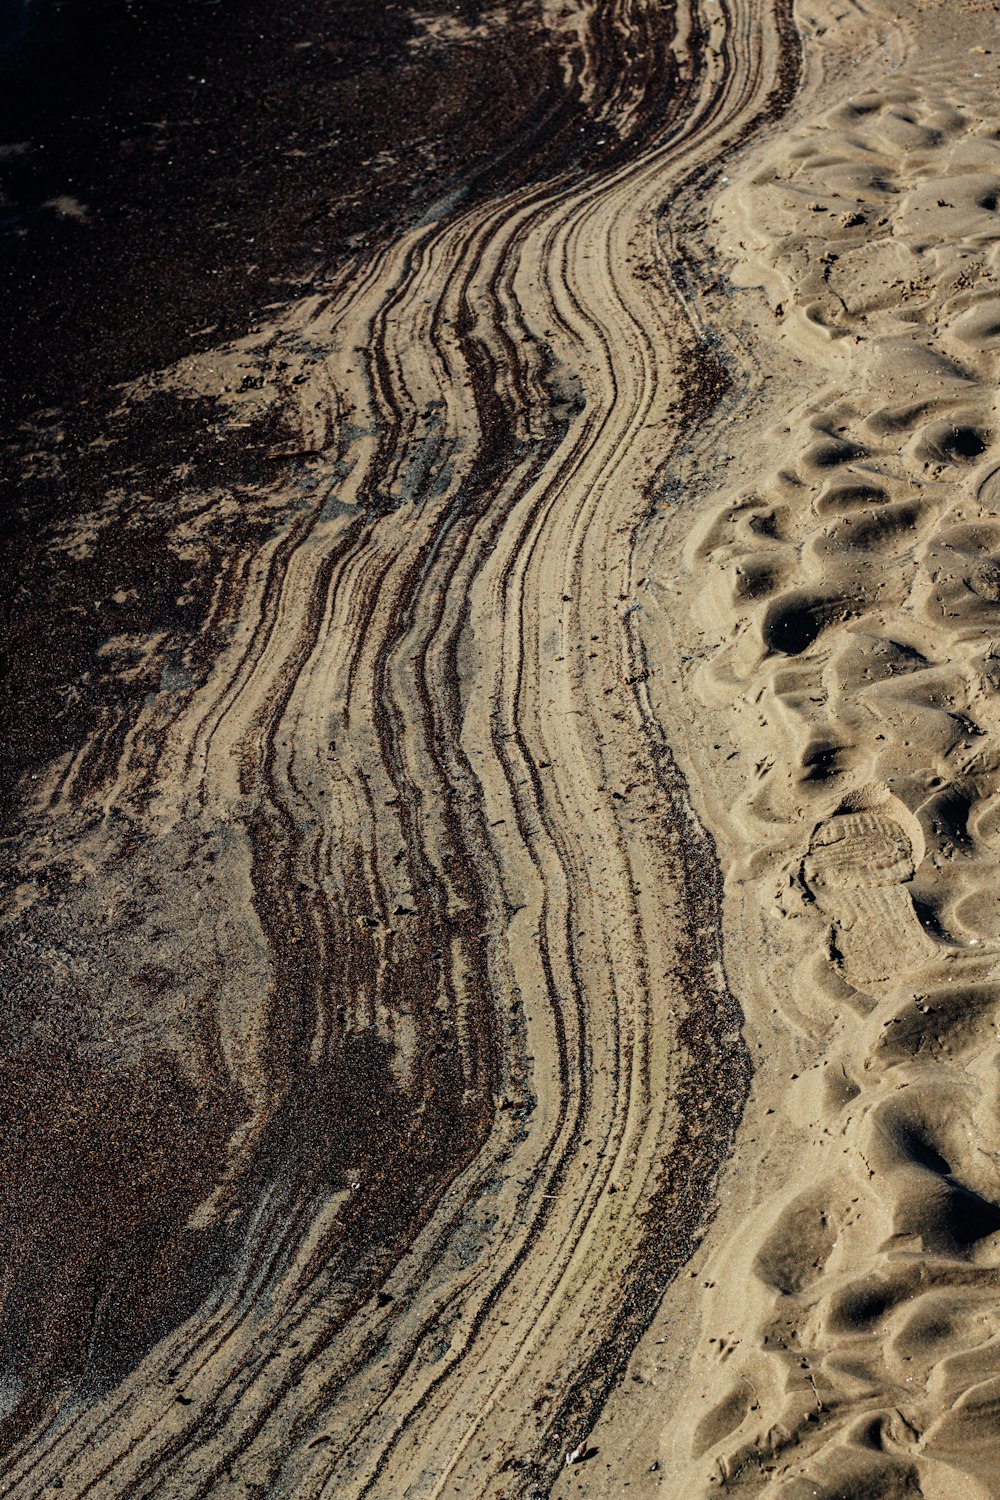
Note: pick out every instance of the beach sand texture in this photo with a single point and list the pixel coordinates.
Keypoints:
(518, 982)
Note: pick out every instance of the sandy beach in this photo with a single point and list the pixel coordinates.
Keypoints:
(501, 921)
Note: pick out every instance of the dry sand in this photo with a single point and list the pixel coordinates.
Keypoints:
(526, 978)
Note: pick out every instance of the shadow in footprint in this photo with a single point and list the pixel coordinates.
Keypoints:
(793, 622)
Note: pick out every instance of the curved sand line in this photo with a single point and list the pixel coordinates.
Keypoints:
(410, 907)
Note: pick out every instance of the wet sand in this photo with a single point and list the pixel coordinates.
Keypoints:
(498, 965)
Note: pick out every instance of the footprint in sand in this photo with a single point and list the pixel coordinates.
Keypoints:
(858, 869)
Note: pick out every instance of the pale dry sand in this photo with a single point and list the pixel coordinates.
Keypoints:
(641, 529)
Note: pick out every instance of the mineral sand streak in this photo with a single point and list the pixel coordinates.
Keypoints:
(492, 917)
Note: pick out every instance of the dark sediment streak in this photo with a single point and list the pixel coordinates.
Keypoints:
(410, 885)
(221, 156)
(227, 157)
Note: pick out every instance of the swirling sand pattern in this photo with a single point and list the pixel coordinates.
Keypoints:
(387, 924)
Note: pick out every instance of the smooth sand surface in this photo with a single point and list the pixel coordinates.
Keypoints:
(520, 981)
